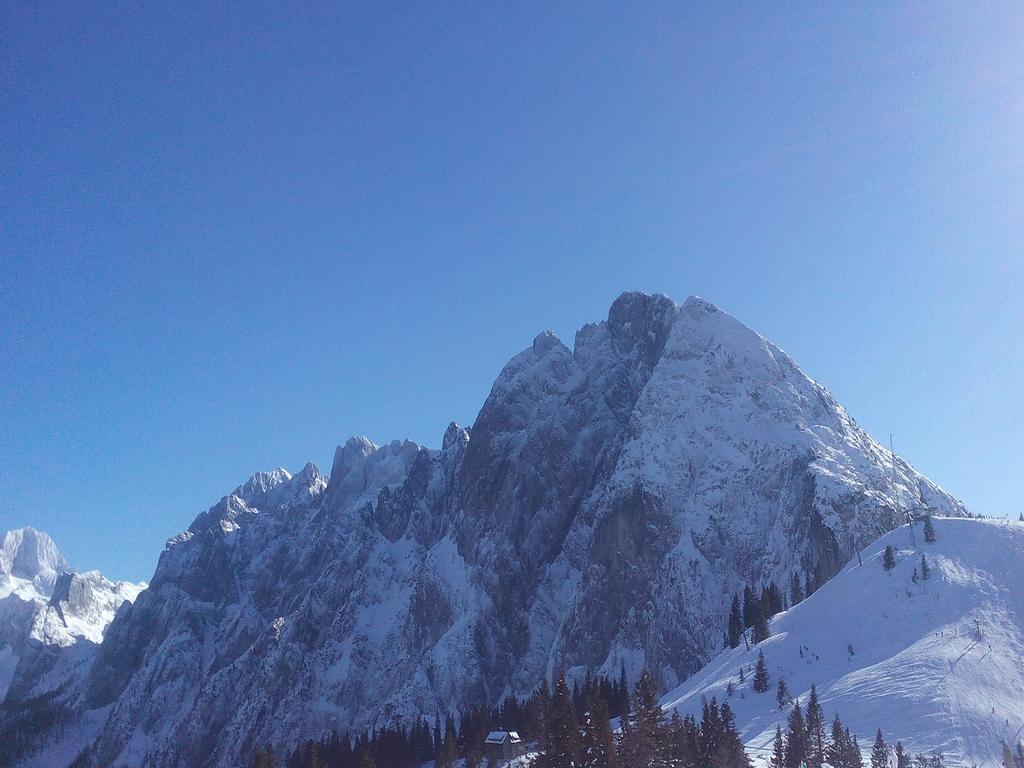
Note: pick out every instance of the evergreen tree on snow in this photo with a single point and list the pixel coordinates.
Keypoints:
(853, 756)
(563, 730)
(710, 732)
(761, 631)
(782, 693)
(749, 607)
(761, 679)
(643, 731)
(796, 591)
(836, 744)
(929, 529)
(537, 710)
(735, 623)
(815, 730)
(902, 756)
(730, 752)
(778, 758)
(623, 703)
(926, 569)
(889, 558)
(796, 739)
(598, 739)
(879, 752)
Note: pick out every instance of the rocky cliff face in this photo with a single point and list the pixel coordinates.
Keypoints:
(601, 511)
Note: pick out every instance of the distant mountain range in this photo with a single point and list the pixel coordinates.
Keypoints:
(600, 513)
(45, 604)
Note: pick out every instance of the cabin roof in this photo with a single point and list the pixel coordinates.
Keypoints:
(498, 737)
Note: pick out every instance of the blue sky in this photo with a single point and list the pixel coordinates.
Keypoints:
(233, 235)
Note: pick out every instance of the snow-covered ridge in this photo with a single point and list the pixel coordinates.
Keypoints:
(602, 509)
(44, 603)
(933, 662)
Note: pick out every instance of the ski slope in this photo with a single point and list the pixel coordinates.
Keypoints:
(936, 663)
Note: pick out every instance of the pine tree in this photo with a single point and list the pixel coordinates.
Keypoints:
(914, 577)
(761, 631)
(853, 756)
(644, 733)
(796, 591)
(623, 704)
(815, 730)
(836, 752)
(366, 760)
(879, 752)
(675, 741)
(889, 558)
(778, 758)
(761, 679)
(929, 529)
(538, 715)
(902, 757)
(730, 752)
(782, 694)
(690, 749)
(926, 569)
(598, 739)
(735, 623)
(563, 731)
(710, 732)
(796, 739)
(749, 607)
(449, 745)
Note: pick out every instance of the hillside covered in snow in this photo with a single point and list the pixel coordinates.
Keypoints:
(935, 663)
(605, 505)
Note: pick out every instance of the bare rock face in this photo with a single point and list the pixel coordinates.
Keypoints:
(601, 511)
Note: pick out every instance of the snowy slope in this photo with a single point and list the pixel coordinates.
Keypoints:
(936, 664)
(601, 510)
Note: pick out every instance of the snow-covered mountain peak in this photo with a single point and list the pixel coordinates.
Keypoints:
(545, 341)
(45, 604)
(262, 483)
(28, 554)
(361, 469)
(355, 449)
(600, 512)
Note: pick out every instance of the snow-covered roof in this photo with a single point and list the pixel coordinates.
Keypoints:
(498, 737)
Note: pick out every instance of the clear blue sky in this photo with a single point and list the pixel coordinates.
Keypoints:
(230, 237)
